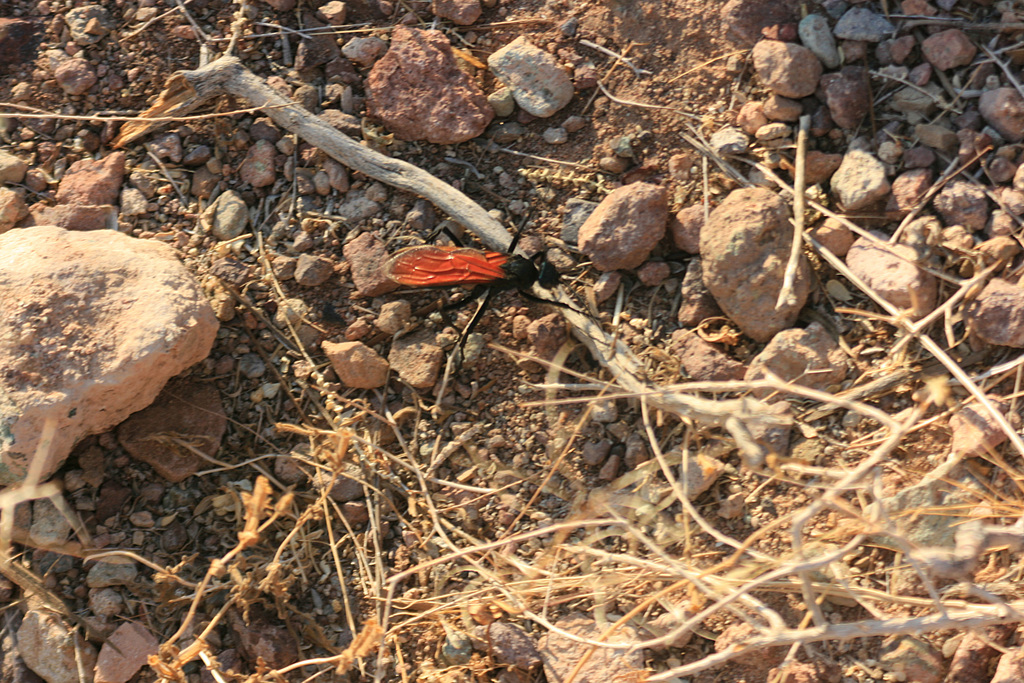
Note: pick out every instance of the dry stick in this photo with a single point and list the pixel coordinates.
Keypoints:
(637, 71)
(980, 617)
(787, 296)
(188, 89)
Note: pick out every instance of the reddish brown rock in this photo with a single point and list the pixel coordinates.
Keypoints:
(971, 663)
(313, 271)
(899, 48)
(971, 146)
(963, 203)
(167, 146)
(948, 49)
(364, 50)
(915, 659)
(653, 273)
(778, 108)
(547, 335)
(346, 484)
(686, 226)
(755, 663)
(744, 21)
(918, 157)
(607, 285)
(281, 5)
(204, 182)
(461, 12)
(393, 316)
(561, 654)
(997, 314)
(697, 304)
(257, 168)
(53, 650)
(12, 209)
(848, 95)
(190, 410)
(834, 236)
(744, 247)
(702, 360)
(751, 116)
(316, 49)
(416, 360)
(260, 635)
(818, 166)
(1001, 170)
(808, 357)
(334, 12)
(908, 190)
(75, 76)
(92, 324)
(356, 513)
(418, 91)
(625, 226)
(892, 272)
(337, 175)
(12, 167)
(92, 182)
(1003, 109)
(508, 644)
(1010, 668)
(357, 364)
(365, 255)
(76, 217)
(18, 41)
(999, 249)
(125, 652)
(786, 69)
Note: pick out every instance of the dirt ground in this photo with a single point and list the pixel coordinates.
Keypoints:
(504, 501)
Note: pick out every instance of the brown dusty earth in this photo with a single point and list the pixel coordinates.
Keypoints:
(501, 518)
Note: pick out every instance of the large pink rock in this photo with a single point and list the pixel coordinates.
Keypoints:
(891, 271)
(92, 182)
(92, 325)
(625, 226)
(744, 249)
(418, 91)
(786, 69)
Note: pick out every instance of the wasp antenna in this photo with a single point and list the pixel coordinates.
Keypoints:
(515, 240)
(519, 233)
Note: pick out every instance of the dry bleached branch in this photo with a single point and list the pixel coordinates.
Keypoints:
(186, 90)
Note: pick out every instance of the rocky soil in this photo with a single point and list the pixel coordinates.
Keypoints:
(768, 435)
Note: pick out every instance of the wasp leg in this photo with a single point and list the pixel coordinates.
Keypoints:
(457, 353)
(447, 231)
(550, 302)
(479, 313)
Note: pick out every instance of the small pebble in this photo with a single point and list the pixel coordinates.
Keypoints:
(556, 136)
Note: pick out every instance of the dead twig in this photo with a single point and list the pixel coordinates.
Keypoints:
(637, 71)
(787, 295)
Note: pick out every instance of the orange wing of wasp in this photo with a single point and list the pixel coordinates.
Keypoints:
(430, 265)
